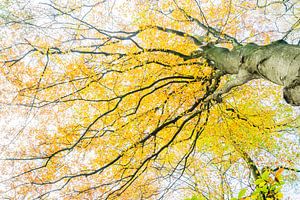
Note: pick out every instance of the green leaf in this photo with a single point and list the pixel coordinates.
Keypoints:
(273, 187)
(256, 191)
(265, 175)
(278, 188)
(195, 197)
(259, 181)
(262, 184)
(264, 189)
(242, 193)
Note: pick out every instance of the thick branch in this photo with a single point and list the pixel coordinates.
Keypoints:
(277, 62)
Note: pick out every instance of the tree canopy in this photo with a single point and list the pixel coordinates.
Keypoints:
(107, 99)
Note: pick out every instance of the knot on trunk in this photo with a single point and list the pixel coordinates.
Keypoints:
(291, 93)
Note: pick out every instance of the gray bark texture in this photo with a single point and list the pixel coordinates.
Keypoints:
(277, 62)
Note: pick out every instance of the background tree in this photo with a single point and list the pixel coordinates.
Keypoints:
(135, 100)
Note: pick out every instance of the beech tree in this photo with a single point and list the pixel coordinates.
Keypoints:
(149, 99)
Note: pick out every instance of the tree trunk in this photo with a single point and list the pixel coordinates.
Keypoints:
(277, 62)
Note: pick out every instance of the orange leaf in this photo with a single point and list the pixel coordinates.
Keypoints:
(279, 172)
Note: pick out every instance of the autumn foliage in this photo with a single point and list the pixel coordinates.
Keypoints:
(110, 100)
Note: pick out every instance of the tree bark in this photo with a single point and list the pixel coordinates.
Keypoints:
(277, 62)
